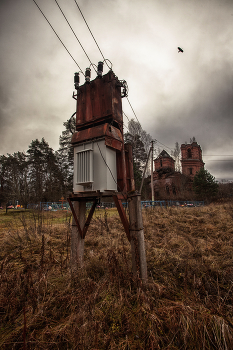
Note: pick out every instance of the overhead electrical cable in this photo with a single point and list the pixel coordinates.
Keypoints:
(91, 33)
(58, 36)
(164, 145)
(74, 32)
(126, 116)
(105, 60)
(133, 111)
(111, 172)
(125, 126)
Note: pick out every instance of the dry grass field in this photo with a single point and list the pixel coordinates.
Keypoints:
(186, 304)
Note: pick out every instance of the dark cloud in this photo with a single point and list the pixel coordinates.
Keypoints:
(221, 168)
(175, 96)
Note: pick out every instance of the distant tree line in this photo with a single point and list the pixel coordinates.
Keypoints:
(32, 176)
(41, 174)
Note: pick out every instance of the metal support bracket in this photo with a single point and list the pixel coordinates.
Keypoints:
(117, 199)
(87, 223)
(122, 214)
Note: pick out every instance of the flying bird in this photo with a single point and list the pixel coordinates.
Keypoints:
(180, 49)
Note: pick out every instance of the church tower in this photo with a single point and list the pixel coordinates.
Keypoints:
(191, 159)
(164, 160)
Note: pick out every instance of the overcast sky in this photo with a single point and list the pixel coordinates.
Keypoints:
(175, 95)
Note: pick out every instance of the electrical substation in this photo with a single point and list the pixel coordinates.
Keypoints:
(103, 164)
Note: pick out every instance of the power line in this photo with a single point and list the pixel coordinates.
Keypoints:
(91, 32)
(164, 145)
(110, 171)
(133, 111)
(102, 53)
(80, 44)
(126, 116)
(125, 126)
(57, 35)
(73, 31)
(171, 149)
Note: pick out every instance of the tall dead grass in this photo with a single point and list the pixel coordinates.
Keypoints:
(186, 304)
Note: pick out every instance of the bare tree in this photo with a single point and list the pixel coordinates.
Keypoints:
(176, 154)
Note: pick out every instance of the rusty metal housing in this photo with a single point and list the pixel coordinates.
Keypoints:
(99, 117)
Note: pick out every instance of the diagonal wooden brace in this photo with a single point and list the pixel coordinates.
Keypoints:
(75, 217)
(122, 214)
(87, 223)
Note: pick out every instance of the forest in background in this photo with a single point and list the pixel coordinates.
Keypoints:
(43, 175)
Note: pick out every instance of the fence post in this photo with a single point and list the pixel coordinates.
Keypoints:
(137, 237)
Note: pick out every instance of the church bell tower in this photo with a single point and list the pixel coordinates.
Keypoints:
(191, 159)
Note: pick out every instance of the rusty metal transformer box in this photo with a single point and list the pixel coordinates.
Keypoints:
(99, 101)
(101, 161)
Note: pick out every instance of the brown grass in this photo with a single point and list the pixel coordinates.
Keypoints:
(186, 304)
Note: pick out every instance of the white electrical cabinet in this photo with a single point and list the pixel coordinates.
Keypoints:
(94, 167)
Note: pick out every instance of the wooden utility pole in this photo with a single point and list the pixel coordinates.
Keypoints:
(152, 182)
(76, 241)
(137, 237)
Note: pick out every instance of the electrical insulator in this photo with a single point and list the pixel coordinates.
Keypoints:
(100, 69)
(76, 80)
(88, 75)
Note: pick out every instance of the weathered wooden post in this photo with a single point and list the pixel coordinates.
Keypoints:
(137, 237)
(76, 240)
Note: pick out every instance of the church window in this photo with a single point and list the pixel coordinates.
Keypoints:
(189, 153)
(190, 171)
(161, 163)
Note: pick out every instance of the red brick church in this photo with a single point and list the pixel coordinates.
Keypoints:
(171, 183)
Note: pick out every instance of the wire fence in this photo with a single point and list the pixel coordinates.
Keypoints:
(170, 203)
(55, 206)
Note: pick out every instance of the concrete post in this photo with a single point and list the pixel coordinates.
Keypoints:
(137, 237)
(76, 241)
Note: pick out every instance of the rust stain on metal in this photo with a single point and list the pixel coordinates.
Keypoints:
(96, 132)
(99, 115)
(113, 143)
(98, 99)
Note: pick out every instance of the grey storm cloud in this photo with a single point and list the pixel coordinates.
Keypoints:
(175, 96)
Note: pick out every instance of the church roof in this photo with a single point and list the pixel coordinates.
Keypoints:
(164, 154)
